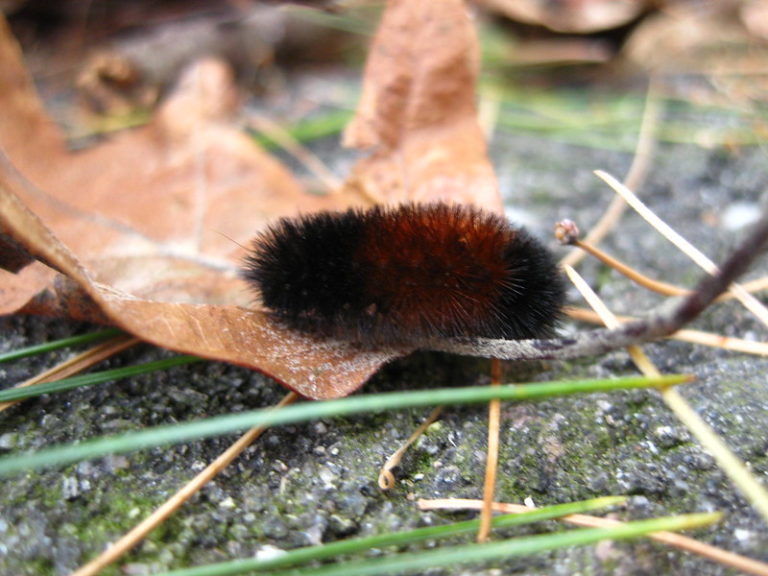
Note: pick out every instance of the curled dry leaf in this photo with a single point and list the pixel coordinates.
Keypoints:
(316, 369)
(754, 15)
(580, 16)
(715, 39)
(418, 113)
(159, 212)
(147, 229)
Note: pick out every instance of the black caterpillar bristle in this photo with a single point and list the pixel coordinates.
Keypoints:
(406, 274)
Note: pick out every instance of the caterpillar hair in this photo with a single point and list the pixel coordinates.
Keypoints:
(407, 274)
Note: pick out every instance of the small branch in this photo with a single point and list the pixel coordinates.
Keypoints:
(567, 233)
(750, 302)
(644, 150)
(729, 463)
(684, 334)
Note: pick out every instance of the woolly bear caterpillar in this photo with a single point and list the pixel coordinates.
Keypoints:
(407, 273)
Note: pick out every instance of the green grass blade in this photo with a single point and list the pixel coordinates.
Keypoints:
(410, 562)
(94, 378)
(362, 545)
(610, 121)
(473, 553)
(181, 432)
(57, 344)
(309, 129)
(359, 19)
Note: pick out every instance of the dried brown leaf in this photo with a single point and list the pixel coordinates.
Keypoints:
(418, 112)
(714, 39)
(148, 227)
(147, 230)
(313, 368)
(579, 16)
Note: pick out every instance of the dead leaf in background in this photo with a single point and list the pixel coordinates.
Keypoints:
(686, 39)
(314, 368)
(143, 227)
(580, 16)
(720, 41)
(754, 16)
(160, 212)
(147, 226)
(418, 113)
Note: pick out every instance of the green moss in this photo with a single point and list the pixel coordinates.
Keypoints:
(38, 566)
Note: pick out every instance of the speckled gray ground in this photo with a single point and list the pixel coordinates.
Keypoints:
(302, 485)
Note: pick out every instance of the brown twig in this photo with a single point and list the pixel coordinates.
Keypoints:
(683, 335)
(748, 301)
(567, 232)
(386, 477)
(492, 457)
(646, 142)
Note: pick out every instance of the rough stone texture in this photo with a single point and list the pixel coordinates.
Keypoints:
(302, 485)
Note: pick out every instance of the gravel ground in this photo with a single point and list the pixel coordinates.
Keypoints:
(303, 485)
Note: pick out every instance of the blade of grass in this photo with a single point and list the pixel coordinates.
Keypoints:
(181, 432)
(281, 137)
(473, 553)
(95, 378)
(679, 541)
(129, 540)
(309, 129)
(359, 19)
(362, 545)
(604, 121)
(78, 363)
(729, 463)
(57, 344)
